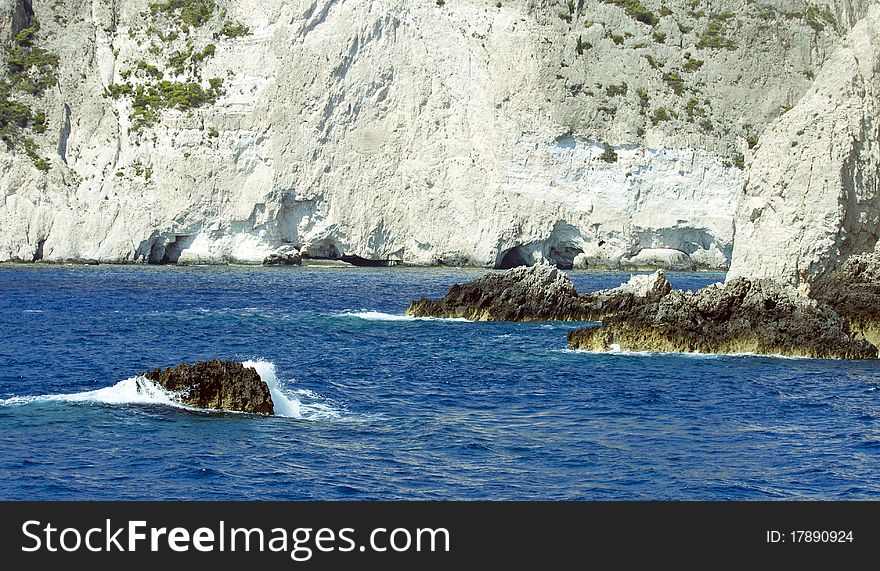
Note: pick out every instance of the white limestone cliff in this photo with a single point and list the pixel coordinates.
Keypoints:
(476, 132)
(812, 198)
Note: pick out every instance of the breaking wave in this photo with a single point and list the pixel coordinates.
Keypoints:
(380, 316)
(301, 404)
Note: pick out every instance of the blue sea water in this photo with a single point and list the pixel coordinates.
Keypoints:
(378, 406)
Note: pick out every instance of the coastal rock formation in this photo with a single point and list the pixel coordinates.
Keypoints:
(294, 259)
(217, 385)
(538, 293)
(853, 290)
(812, 197)
(742, 316)
(464, 132)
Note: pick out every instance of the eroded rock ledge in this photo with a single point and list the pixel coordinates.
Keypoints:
(217, 385)
(743, 316)
(538, 293)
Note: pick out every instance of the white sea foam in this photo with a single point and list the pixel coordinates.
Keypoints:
(291, 404)
(134, 390)
(380, 316)
(302, 404)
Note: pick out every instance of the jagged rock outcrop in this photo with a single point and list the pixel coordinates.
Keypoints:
(538, 293)
(294, 259)
(853, 290)
(467, 133)
(813, 192)
(742, 316)
(217, 385)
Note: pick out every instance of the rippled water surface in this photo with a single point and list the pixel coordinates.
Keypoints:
(378, 406)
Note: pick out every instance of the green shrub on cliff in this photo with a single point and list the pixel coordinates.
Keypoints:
(149, 100)
(233, 30)
(714, 36)
(14, 116)
(636, 10)
(30, 148)
(194, 13)
(609, 155)
(29, 67)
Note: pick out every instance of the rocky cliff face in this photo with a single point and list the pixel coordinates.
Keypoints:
(464, 132)
(812, 196)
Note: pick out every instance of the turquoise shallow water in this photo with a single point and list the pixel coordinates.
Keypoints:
(381, 407)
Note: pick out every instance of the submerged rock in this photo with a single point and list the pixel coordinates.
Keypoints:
(218, 385)
(743, 316)
(538, 293)
(853, 290)
(294, 259)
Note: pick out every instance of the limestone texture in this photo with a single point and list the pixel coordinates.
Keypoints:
(470, 132)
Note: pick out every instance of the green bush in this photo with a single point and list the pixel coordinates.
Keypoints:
(234, 30)
(692, 65)
(30, 148)
(150, 99)
(636, 10)
(14, 116)
(674, 81)
(614, 90)
(29, 67)
(652, 62)
(194, 13)
(661, 114)
(148, 69)
(714, 34)
(608, 155)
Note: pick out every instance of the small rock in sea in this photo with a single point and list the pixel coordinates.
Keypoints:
(283, 260)
(217, 385)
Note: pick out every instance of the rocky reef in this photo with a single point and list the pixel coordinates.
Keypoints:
(645, 314)
(853, 290)
(537, 293)
(217, 385)
(742, 316)
(294, 259)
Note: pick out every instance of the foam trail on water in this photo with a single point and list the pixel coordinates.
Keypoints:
(134, 390)
(380, 316)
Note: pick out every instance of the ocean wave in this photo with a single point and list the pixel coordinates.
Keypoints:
(303, 404)
(138, 390)
(380, 316)
(134, 390)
